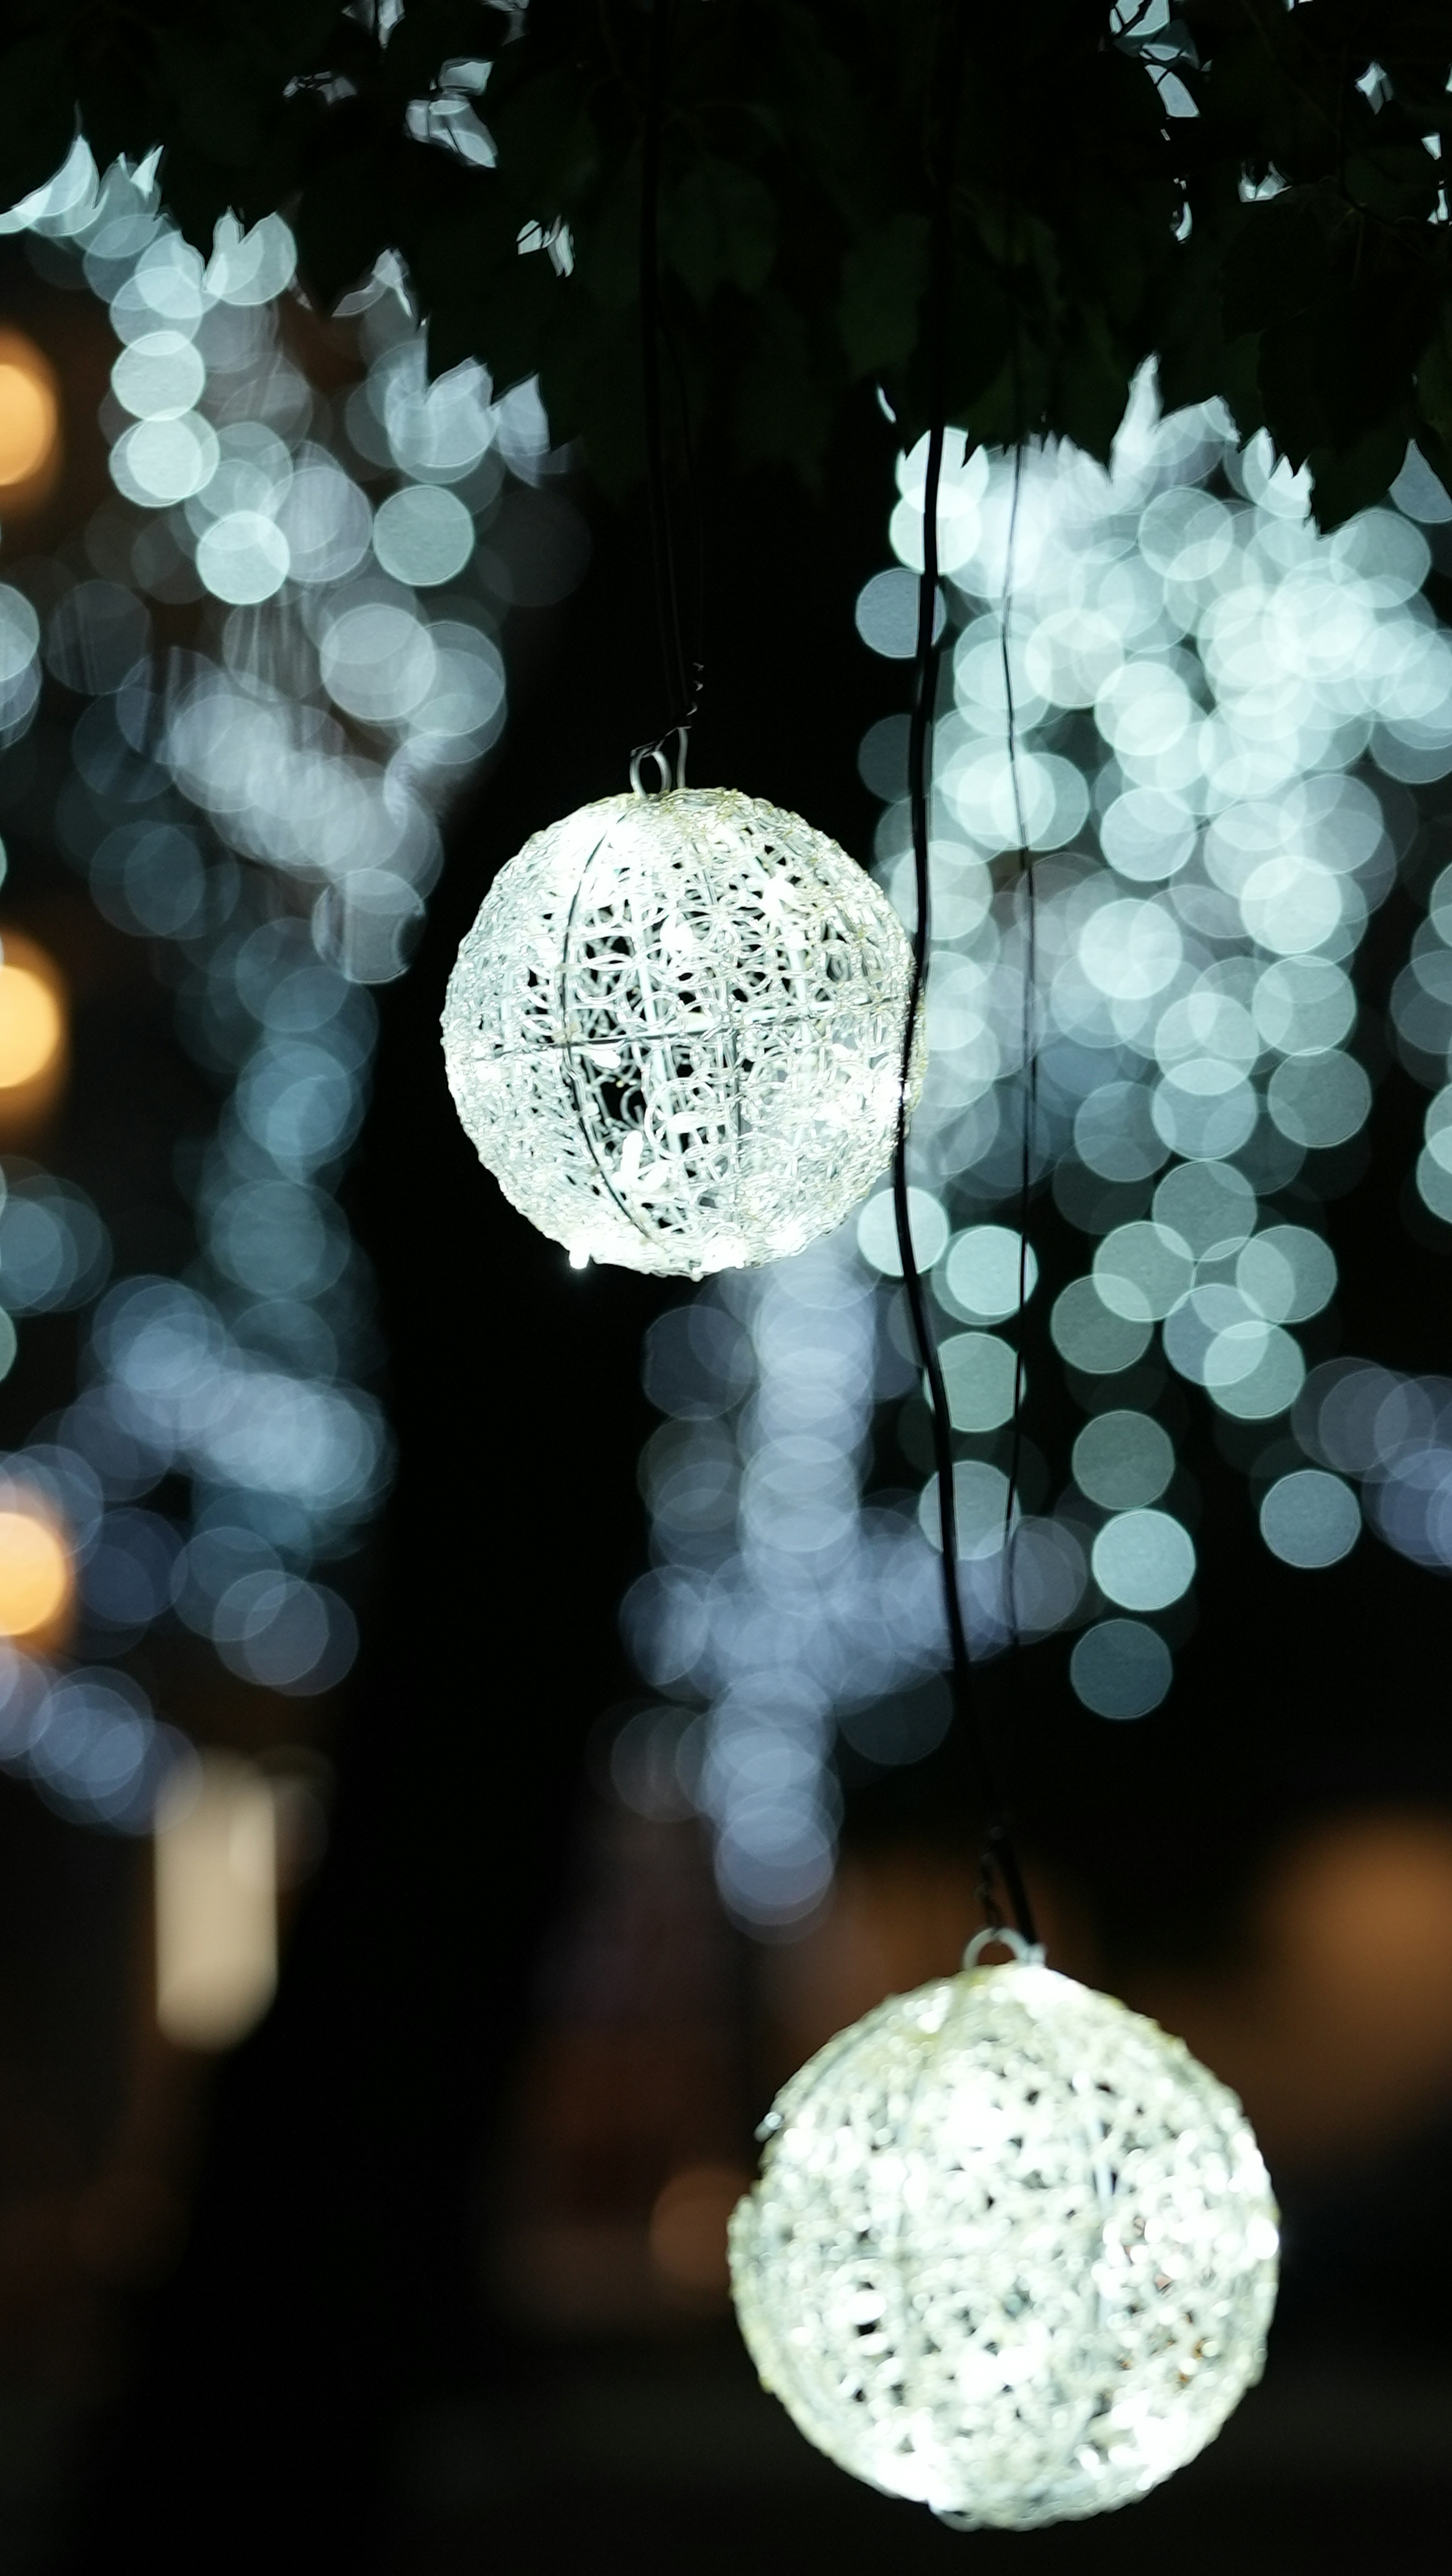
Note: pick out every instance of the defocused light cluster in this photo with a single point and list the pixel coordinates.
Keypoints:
(333, 704)
(262, 805)
(1392, 1434)
(1421, 1017)
(777, 1599)
(85, 1735)
(1202, 688)
(1207, 694)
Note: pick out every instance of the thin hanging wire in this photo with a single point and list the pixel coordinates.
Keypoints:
(998, 1865)
(1028, 908)
(695, 626)
(680, 693)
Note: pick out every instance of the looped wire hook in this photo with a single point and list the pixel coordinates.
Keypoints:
(1028, 1954)
(669, 774)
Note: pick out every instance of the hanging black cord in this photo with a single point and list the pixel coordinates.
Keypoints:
(1024, 883)
(680, 702)
(998, 1859)
(695, 625)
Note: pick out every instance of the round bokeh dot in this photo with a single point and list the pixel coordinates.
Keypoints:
(160, 461)
(423, 534)
(1123, 1460)
(1144, 1560)
(979, 1372)
(1319, 1100)
(243, 557)
(1210, 1206)
(1270, 1386)
(1141, 1271)
(1309, 1518)
(877, 1232)
(1287, 1273)
(982, 1274)
(1115, 1134)
(1434, 1184)
(1089, 1337)
(1120, 1668)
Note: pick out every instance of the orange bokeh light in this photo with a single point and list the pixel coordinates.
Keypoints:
(688, 2228)
(29, 419)
(32, 1025)
(33, 1030)
(37, 1573)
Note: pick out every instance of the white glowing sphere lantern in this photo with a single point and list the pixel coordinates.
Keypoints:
(1012, 2252)
(675, 1031)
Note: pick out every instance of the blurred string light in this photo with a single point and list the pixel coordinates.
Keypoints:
(262, 804)
(1388, 1432)
(1208, 694)
(1197, 676)
(777, 1601)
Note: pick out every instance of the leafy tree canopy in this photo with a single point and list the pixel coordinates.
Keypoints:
(1250, 192)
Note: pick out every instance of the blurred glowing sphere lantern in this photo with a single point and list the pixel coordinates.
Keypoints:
(1013, 2251)
(675, 1031)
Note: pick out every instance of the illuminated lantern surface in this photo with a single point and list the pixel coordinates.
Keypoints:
(675, 1031)
(1012, 2252)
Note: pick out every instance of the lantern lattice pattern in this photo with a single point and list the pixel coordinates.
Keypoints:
(1013, 2251)
(675, 1031)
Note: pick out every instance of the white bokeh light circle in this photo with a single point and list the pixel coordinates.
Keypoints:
(159, 375)
(423, 534)
(155, 462)
(1143, 1559)
(1013, 2250)
(243, 557)
(675, 1031)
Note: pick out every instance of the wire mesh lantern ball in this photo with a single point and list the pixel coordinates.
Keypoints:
(1013, 2251)
(675, 1031)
